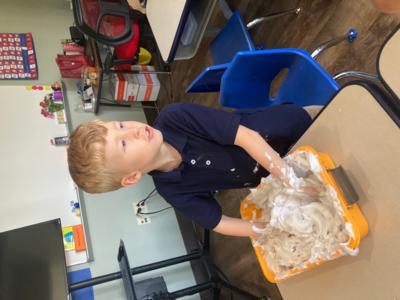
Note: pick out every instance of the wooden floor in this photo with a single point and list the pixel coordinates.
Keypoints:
(318, 21)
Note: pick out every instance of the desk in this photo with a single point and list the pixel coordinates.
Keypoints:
(359, 135)
(167, 19)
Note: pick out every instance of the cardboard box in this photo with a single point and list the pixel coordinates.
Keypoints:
(136, 87)
(118, 84)
(132, 88)
(149, 85)
(125, 87)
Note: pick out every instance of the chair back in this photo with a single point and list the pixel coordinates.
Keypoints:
(232, 38)
(107, 21)
(247, 82)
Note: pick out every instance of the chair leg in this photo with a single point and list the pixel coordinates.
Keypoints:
(216, 293)
(357, 74)
(257, 21)
(350, 36)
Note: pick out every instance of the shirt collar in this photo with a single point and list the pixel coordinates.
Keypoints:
(178, 141)
(171, 176)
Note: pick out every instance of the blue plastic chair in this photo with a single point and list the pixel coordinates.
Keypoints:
(209, 80)
(297, 87)
(247, 81)
(232, 38)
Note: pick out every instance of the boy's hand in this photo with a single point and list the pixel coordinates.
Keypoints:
(311, 191)
(299, 179)
(258, 228)
(239, 227)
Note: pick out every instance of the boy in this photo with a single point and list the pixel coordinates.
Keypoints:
(191, 151)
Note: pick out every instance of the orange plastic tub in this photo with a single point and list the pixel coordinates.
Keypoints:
(352, 214)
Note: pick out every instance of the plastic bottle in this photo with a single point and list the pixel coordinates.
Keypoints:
(60, 141)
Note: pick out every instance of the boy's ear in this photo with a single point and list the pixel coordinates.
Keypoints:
(131, 178)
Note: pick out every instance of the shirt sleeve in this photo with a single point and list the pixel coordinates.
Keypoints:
(208, 123)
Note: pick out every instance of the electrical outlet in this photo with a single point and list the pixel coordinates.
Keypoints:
(142, 220)
(140, 208)
(139, 205)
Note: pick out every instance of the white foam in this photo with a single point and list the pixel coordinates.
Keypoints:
(300, 229)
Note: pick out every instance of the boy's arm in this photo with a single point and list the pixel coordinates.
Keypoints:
(252, 142)
(238, 227)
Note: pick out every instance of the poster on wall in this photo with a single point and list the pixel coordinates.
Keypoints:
(17, 57)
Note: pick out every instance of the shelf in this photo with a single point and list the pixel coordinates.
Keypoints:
(79, 193)
(98, 99)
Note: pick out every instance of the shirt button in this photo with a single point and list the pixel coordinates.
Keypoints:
(208, 162)
(193, 161)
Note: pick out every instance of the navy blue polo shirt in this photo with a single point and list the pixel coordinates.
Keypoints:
(210, 161)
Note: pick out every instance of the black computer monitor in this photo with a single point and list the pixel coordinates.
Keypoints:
(32, 263)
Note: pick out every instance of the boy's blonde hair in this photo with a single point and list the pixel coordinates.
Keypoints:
(87, 159)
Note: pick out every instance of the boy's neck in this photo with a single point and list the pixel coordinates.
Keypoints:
(169, 158)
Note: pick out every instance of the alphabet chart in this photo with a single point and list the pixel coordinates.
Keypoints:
(17, 56)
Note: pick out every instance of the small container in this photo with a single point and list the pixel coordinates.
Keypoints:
(58, 96)
(87, 106)
(60, 141)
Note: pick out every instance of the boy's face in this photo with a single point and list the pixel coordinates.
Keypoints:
(132, 146)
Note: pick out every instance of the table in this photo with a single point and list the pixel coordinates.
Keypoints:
(389, 63)
(167, 19)
(360, 136)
